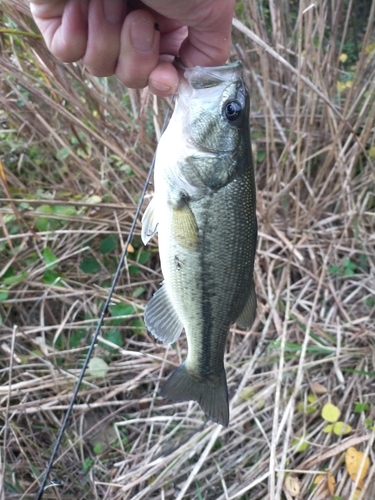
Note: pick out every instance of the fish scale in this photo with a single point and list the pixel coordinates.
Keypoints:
(204, 212)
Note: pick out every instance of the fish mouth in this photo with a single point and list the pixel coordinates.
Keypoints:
(201, 77)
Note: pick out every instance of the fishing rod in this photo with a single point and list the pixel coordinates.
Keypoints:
(44, 485)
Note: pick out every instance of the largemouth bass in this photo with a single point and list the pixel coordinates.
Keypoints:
(204, 212)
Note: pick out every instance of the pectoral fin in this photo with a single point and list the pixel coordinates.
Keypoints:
(248, 314)
(149, 222)
(161, 318)
(184, 226)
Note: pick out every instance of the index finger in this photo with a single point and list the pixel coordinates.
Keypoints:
(63, 24)
(209, 42)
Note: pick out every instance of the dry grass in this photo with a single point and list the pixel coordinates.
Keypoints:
(81, 147)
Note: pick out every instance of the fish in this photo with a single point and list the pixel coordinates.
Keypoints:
(204, 212)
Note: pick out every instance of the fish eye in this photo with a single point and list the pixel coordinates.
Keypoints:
(232, 110)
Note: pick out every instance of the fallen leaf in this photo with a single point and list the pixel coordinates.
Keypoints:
(357, 465)
(319, 478)
(331, 481)
(341, 428)
(318, 388)
(370, 48)
(98, 367)
(343, 57)
(330, 413)
(292, 485)
(300, 445)
(311, 398)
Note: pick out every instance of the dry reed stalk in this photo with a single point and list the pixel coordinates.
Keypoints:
(73, 141)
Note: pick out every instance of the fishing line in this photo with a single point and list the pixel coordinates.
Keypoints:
(104, 312)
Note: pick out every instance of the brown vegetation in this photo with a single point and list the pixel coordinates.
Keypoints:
(74, 154)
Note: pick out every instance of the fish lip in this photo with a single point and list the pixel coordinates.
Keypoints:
(210, 76)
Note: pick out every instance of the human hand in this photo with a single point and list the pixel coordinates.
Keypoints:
(121, 37)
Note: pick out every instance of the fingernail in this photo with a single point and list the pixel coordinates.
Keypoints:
(142, 34)
(160, 87)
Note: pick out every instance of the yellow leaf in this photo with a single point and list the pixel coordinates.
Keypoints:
(97, 368)
(131, 248)
(341, 86)
(247, 393)
(370, 48)
(330, 412)
(328, 428)
(343, 57)
(311, 398)
(341, 428)
(93, 200)
(301, 406)
(371, 152)
(292, 485)
(357, 495)
(331, 481)
(319, 478)
(357, 464)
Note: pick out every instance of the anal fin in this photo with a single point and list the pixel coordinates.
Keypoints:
(247, 317)
(161, 318)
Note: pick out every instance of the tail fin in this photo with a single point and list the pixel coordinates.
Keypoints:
(212, 397)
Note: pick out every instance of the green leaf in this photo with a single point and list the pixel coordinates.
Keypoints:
(63, 153)
(334, 270)
(370, 302)
(300, 445)
(64, 210)
(4, 294)
(98, 448)
(115, 337)
(122, 310)
(138, 291)
(76, 338)
(349, 267)
(119, 311)
(108, 245)
(9, 272)
(138, 325)
(45, 209)
(90, 266)
(52, 278)
(11, 280)
(361, 407)
(144, 257)
(49, 258)
(261, 156)
(134, 270)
